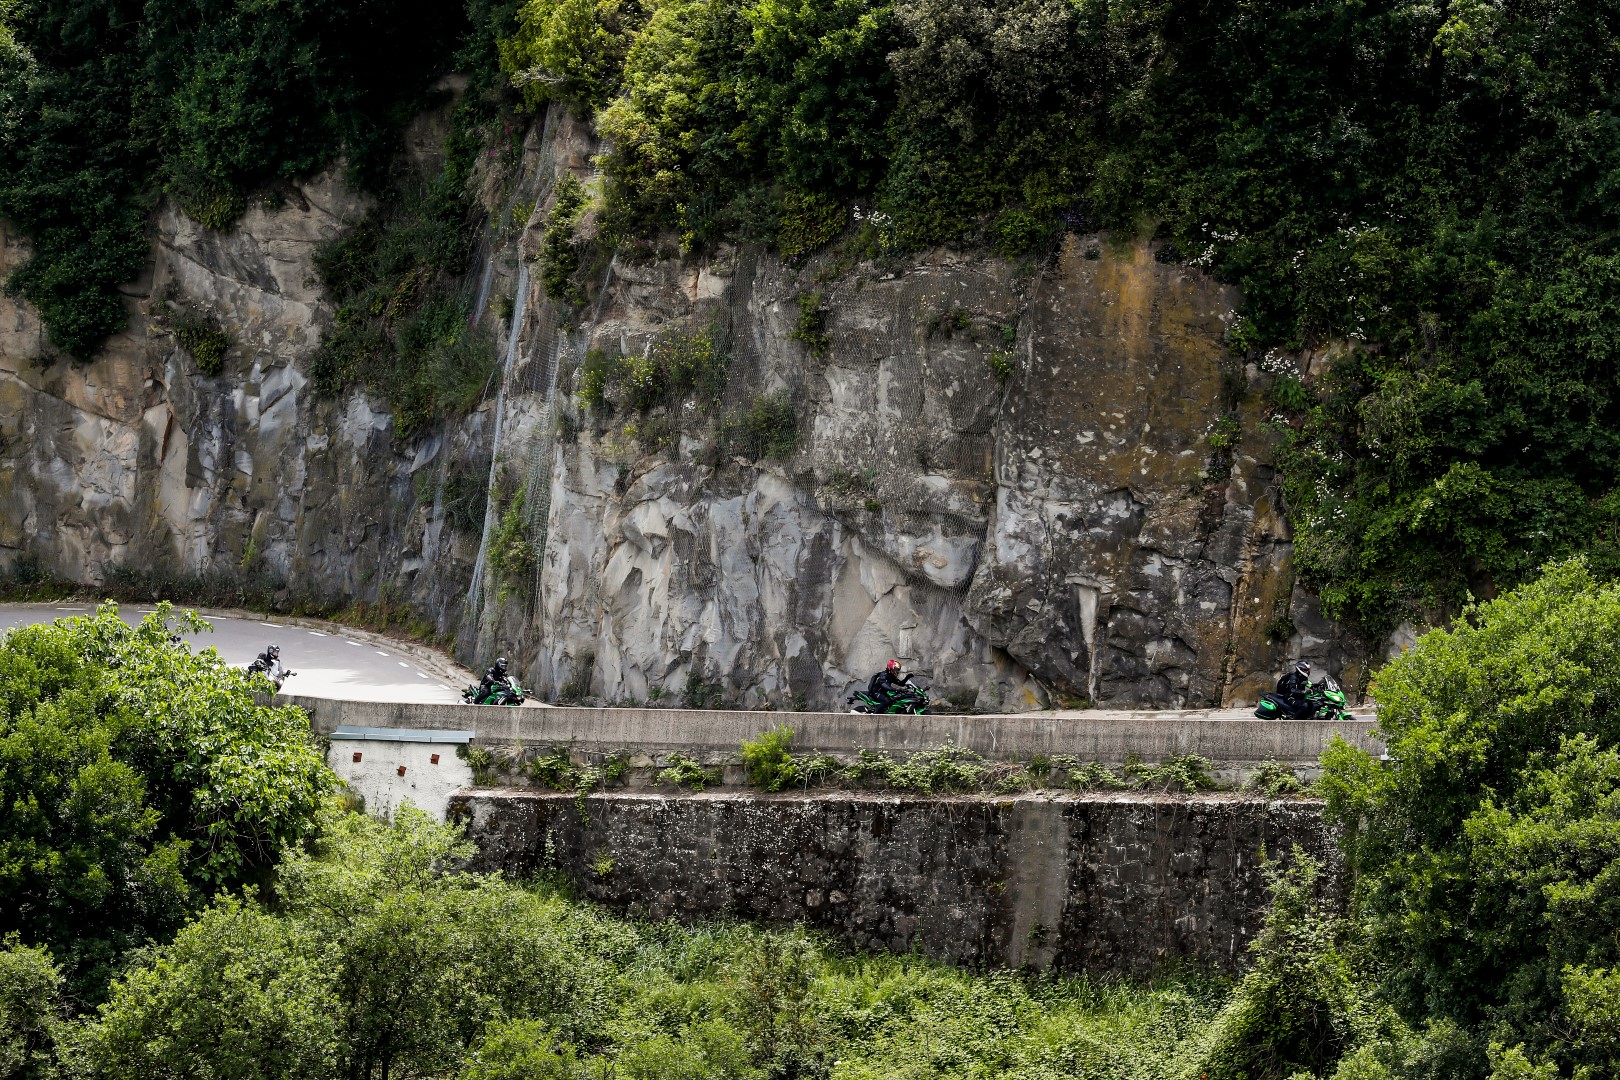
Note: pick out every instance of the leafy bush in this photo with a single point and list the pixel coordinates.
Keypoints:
(721, 98)
(481, 761)
(811, 325)
(521, 1050)
(204, 339)
(770, 767)
(685, 772)
(1484, 848)
(138, 777)
(769, 428)
(808, 222)
(677, 364)
(1187, 773)
(1091, 776)
(556, 770)
(512, 555)
(31, 1011)
(1302, 1003)
(1019, 232)
(596, 374)
(559, 252)
(1273, 778)
(569, 50)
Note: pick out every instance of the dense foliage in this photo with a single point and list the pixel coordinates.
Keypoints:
(1428, 185)
(140, 778)
(30, 1010)
(136, 777)
(104, 104)
(378, 959)
(1488, 847)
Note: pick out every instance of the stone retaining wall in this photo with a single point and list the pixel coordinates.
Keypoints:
(1105, 883)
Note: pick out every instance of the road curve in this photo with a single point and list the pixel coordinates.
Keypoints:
(332, 661)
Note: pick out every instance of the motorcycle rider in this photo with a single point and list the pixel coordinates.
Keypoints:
(1294, 685)
(269, 664)
(888, 684)
(492, 678)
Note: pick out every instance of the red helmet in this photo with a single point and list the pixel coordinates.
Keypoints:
(894, 666)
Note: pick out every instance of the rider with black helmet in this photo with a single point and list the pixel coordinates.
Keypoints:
(1295, 684)
(268, 663)
(495, 674)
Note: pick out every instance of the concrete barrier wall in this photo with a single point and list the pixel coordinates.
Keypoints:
(1107, 883)
(1111, 737)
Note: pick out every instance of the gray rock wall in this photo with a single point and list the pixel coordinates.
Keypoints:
(1064, 530)
(1095, 883)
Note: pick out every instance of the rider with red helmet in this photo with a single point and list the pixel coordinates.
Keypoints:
(888, 683)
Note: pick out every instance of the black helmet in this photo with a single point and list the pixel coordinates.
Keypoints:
(273, 651)
(500, 663)
(1303, 667)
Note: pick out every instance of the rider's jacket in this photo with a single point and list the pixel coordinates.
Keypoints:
(273, 668)
(1294, 684)
(491, 680)
(882, 686)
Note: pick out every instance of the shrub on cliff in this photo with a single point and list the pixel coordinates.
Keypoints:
(136, 778)
(404, 326)
(202, 337)
(1487, 849)
(559, 250)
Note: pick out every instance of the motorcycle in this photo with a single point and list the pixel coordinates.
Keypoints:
(1323, 701)
(504, 692)
(911, 700)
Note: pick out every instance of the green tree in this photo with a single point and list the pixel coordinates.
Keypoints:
(239, 993)
(1302, 1003)
(378, 958)
(570, 50)
(1487, 849)
(136, 778)
(30, 1011)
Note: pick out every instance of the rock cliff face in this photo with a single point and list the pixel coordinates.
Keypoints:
(1042, 484)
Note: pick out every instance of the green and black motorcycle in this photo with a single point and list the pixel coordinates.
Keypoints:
(504, 692)
(1323, 701)
(909, 700)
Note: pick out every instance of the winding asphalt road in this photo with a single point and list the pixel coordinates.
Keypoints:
(330, 662)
